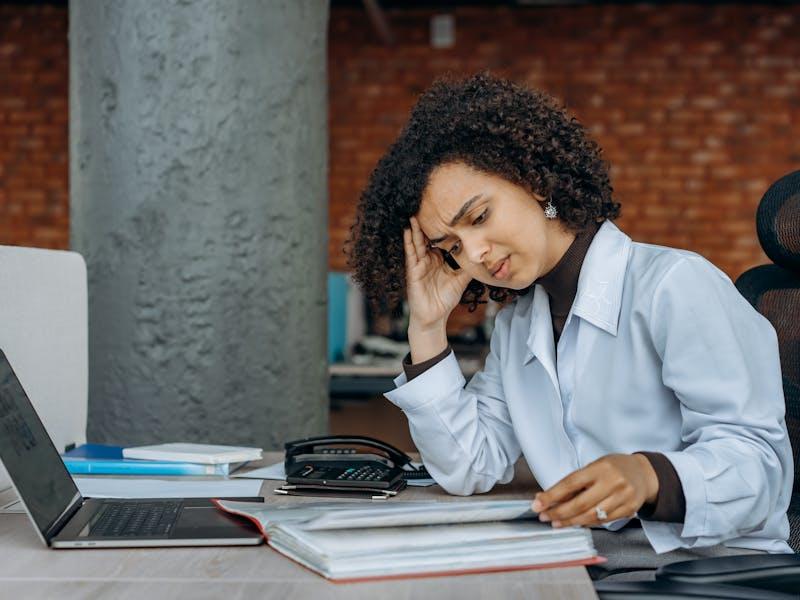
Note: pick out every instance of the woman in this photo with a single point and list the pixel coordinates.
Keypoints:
(633, 378)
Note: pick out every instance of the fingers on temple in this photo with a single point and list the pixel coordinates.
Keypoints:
(408, 244)
(419, 239)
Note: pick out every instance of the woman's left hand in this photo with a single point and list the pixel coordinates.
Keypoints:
(614, 487)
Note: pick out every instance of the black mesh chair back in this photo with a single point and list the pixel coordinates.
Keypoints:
(774, 291)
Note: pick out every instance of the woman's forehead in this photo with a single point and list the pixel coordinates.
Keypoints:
(441, 208)
(439, 215)
(448, 189)
(454, 179)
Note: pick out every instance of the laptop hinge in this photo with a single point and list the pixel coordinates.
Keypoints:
(64, 518)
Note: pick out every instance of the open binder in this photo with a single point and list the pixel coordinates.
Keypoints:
(348, 542)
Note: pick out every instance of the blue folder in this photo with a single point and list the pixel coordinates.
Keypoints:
(101, 459)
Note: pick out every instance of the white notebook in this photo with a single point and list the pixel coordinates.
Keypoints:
(206, 454)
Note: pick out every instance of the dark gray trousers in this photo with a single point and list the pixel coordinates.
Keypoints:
(631, 558)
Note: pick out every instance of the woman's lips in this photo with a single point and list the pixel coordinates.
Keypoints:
(503, 271)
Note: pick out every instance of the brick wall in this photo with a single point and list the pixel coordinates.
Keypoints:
(697, 108)
(34, 79)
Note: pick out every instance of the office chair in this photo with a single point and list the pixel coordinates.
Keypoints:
(774, 291)
(673, 590)
(44, 333)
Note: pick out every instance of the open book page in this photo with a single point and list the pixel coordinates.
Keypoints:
(339, 515)
(269, 514)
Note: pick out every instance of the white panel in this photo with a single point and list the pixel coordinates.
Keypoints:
(44, 334)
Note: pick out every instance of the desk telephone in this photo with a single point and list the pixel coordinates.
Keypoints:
(348, 463)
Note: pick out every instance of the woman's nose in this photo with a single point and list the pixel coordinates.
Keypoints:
(475, 249)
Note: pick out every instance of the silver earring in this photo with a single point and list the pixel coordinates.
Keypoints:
(550, 211)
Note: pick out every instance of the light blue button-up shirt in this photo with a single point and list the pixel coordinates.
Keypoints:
(659, 352)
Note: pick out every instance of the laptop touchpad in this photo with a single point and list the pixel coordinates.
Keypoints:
(199, 521)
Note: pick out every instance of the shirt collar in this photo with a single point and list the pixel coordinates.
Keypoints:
(600, 285)
(597, 301)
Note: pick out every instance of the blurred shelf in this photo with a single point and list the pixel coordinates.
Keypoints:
(351, 380)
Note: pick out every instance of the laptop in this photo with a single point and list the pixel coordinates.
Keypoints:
(64, 519)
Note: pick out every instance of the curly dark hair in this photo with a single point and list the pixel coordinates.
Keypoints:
(492, 125)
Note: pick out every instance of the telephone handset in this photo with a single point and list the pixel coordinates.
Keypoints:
(348, 462)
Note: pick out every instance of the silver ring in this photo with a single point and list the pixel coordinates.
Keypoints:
(601, 514)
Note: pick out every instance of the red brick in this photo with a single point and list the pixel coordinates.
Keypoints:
(33, 96)
(696, 119)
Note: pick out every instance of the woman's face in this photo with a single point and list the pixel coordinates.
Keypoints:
(494, 229)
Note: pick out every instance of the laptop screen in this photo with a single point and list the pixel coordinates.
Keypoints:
(29, 456)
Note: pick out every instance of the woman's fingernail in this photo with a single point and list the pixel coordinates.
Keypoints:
(544, 517)
(537, 506)
(556, 523)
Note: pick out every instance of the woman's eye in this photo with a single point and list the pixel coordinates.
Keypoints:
(455, 249)
(481, 218)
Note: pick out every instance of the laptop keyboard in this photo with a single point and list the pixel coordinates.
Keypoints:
(139, 519)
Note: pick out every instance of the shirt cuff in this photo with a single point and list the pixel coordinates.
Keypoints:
(414, 370)
(438, 382)
(670, 504)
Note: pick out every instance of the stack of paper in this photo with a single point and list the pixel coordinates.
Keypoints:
(347, 542)
(207, 454)
(143, 487)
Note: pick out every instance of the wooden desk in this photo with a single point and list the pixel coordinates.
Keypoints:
(29, 570)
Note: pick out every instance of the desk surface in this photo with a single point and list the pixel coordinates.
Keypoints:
(29, 570)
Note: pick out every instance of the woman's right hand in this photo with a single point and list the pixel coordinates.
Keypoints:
(433, 288)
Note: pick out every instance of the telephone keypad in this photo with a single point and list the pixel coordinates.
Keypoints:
(372, 473)
(365, 473)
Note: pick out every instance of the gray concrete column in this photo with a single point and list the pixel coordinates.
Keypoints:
(198, 163)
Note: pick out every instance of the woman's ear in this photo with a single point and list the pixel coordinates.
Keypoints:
(538, 197)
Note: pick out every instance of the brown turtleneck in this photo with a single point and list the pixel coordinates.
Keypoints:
(561, 285)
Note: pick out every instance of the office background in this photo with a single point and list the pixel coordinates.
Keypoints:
(696, 105)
